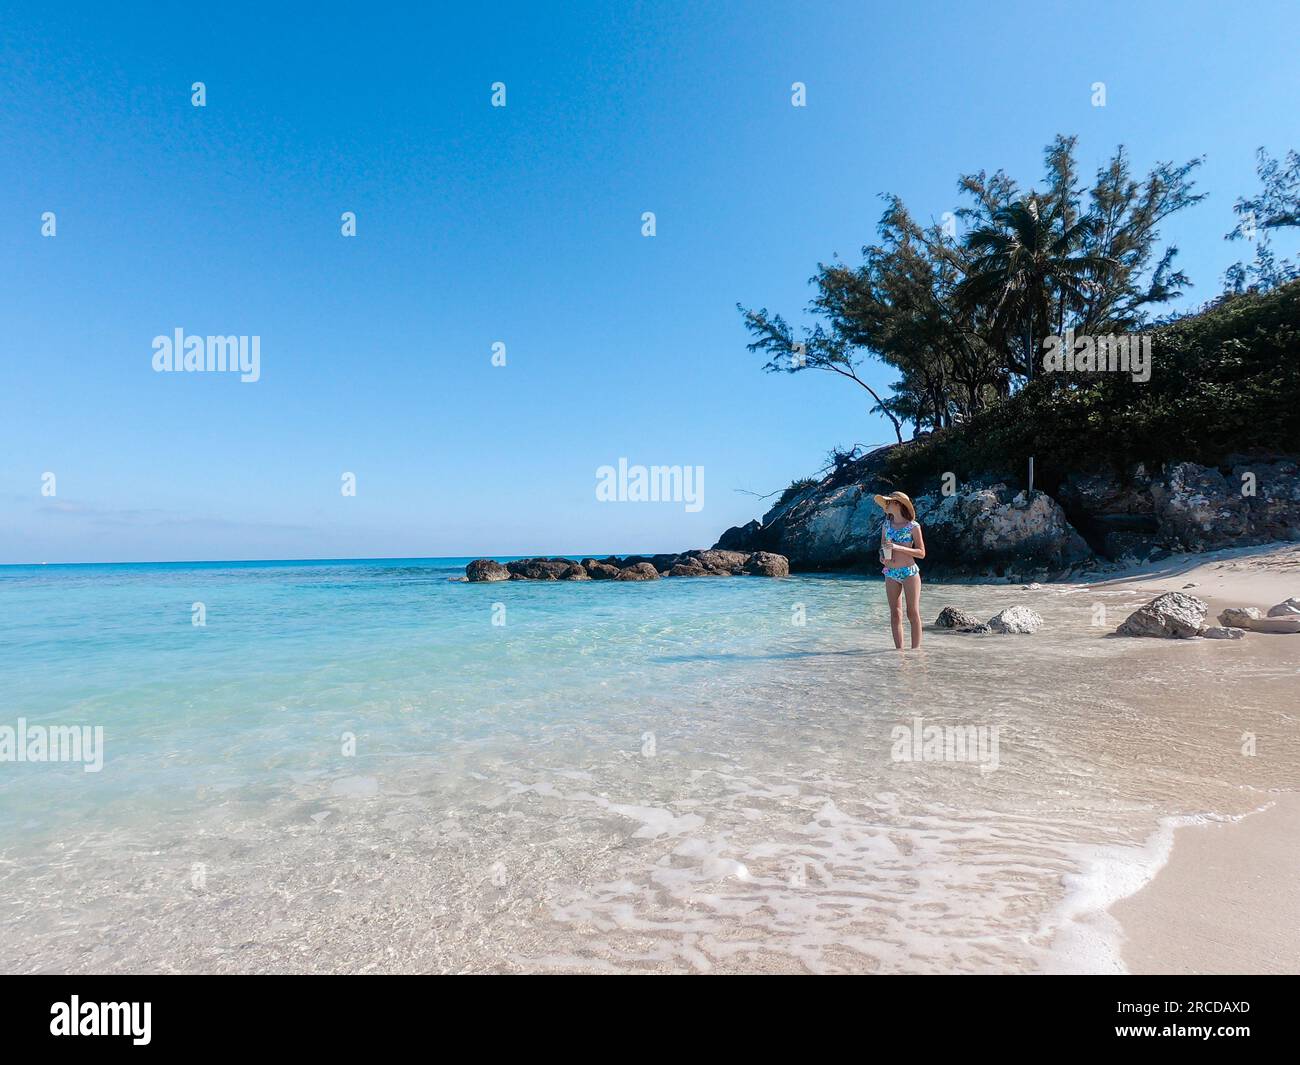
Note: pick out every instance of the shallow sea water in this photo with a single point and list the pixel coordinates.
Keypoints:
(350, 767)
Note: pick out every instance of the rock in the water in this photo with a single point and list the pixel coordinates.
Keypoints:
(540, 569)
(1221, 632)
(715, 561)
(1238, 617)
(952, 618)
(638, 571)
(485, 569)
(601, 571)
(575, 572)
(1285, 609)
(766, 564)
(1172, 614)
(687, 569)
(978, 629)
(1032, 586)
(1015, 620)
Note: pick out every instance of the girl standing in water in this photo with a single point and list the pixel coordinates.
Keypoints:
(901, 545)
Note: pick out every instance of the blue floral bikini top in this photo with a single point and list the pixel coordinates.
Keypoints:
(902, 535)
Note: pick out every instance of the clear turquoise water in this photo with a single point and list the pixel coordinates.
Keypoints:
(294, 655)
(668, 776)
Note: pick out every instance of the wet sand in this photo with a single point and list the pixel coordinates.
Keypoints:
(1226, 902)
(1228, 898)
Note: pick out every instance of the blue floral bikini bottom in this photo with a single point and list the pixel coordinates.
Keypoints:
(901, 573)
(901, 536)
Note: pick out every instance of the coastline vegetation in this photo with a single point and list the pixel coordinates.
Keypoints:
(964, 320)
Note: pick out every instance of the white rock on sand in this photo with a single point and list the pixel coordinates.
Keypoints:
(1239, 617)
(1172, 614)
(1285, 609)
(1280, 618)
(1275, 625)
(1015, 620)
(1223, 632)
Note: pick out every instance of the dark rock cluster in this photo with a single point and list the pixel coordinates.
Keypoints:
(706, 563)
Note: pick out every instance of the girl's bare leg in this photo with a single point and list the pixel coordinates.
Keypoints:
(912, 586)
(894, 593)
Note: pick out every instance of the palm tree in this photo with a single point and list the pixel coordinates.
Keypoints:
(1028, 274)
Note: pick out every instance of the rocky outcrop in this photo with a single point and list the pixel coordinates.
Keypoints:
(484, 569)
(985, 526)
(1185, 506)
(995, 530)
(1285, 609)
(1197, 508)
(541, 569)
(713, 562)
(1116, 515)
(1172, 614)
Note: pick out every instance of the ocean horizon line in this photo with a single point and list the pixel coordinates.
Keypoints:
(575, 555)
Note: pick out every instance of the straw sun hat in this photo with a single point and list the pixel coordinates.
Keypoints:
(900, 498)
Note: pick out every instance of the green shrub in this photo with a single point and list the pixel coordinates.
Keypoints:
(1225, 380)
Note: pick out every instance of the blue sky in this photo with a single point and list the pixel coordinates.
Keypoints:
(519, 224)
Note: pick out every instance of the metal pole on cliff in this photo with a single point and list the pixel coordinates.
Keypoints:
(1029, 378)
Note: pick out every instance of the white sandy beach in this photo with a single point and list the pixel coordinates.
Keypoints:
(1226, 900)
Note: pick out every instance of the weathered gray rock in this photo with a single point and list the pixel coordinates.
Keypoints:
(1198, 507)
(638, 571)
(1015, 620)
(1171, 615)
(997, 527)
(1273, 510)
(952, 618)
(1284, 609)
(1238, 617)
(1223, 632)
(485, 569)
(978, 629)
(1115, 514)
(767, 564)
